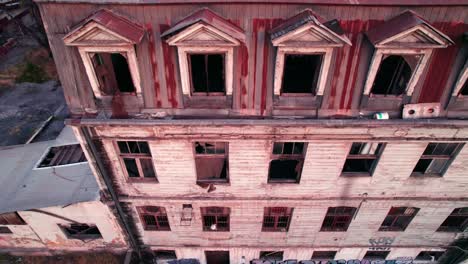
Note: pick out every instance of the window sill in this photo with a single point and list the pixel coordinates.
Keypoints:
(282, 181)
(297, 101)
(341, 231)
(449, 231)
(142, 180)
(158, 230)
(417, 175)
(355, 174)
(275, 231)
(214, 181)
(207, 101)
(391, 230)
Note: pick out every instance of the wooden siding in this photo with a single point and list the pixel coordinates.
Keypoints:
(254, 66)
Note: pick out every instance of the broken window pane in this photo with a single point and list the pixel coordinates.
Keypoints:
(436, 159)
(284, 170)
(287, 161)
(338, 218)
(62, 155)
(301, 72)
(398, 218)
(358, 165)
(362, 158)
(457, 221)
(136, 157)
(392, 77)
(211, 161)
(81, 231)
(147, 168)
(207, 73)
(113, 73)
(131, 166)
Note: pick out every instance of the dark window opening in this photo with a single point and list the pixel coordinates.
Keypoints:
(464, 89)
(301, 73)
(362, 158)
(137, 160)
(81, 231)
(398, 218)
(277, 218)
(323, 255)
(376, 255)
(154, 218)
(11, 219)
(271, 255)
(163, 256)
(207, 73)
(436, 159)
(62, 155)
(215, 219)
(5, 230)
(338, 219)
(429, 255)
(217, 257)
(287, 162)
(392, 77)
(457, 221)
(113, 73)
(211, 161)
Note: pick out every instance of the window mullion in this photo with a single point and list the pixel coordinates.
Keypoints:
(140, 170)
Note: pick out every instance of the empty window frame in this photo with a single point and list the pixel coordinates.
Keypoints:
(211, 161)
(457, 221)
(154, 218)
(429, 255)
(362, 158)
(338, 219)
(136, 159)
(215, 219)
(112, 73)
(164, 256)
(323, 255)
(376, 255)
(436, 159)
(5, 230)
(11, 219)
(300, 74)
(286, 162)
(393, 75)
(398, 218)
(81, 231)
(62, 155)
(217, 257)
(207, 73)
(271, 255)
(277, 219)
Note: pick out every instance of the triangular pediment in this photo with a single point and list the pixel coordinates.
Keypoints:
(94, 34)
(420, 36)
(201, 34)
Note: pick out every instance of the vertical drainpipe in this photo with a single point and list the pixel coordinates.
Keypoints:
(100, 168)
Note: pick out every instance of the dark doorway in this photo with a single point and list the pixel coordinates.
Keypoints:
(217, 257)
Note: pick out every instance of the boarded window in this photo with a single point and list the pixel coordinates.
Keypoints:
(301, 73)
(136, 159)
(112, 73)
(81, 231)
(62, 155)
(398, 218)
(429, 255)
(457, 221)
(217, 257)
(277, 218)
(211, 161)
(286, 162)
(271, 255)
(11, 219)
(5, 230)
(376, 255)
(323, 255)
(207, 74)
(164, 256)
(215, 219)
(362, 158)
(338, 219)
(436, 159)
(154, 218)
(393, 76)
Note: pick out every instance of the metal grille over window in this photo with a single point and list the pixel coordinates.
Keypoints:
(136, 159)
(362, 158)
(154, 218)
(436, 159)
(398, 218)
(286, 162)
(215, 219)
(277, 219)
(457, 221)
(338, 219)
(211, 161)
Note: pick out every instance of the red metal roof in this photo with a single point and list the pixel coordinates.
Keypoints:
(115, 23)
(398, 24)
(209, 17)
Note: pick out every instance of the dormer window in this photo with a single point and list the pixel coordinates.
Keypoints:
(106, 43)
(459, 99)
(305, 45)
(205, 45)
(403, 46)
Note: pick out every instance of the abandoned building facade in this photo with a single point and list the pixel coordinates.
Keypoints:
(230, 131)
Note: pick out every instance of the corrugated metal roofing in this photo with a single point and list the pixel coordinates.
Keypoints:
(25, 187)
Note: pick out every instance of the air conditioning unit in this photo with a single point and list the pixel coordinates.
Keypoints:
(425, 110)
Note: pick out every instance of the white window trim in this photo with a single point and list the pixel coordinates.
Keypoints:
(462, 78)
(324, 67)
(415, 76)
(85, 53)
(184, 51)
